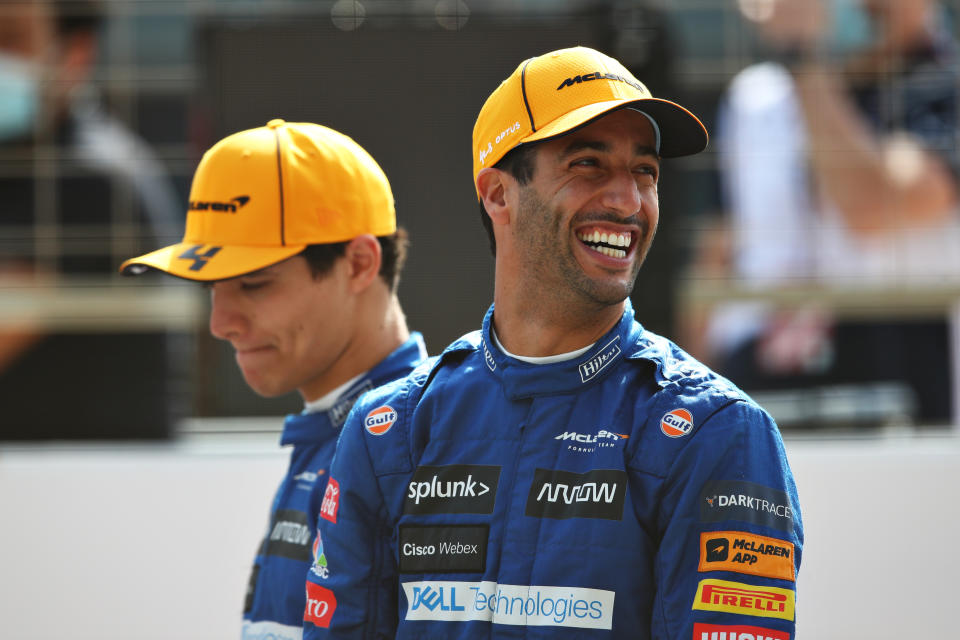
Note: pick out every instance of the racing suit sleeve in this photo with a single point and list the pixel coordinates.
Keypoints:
(730, 533)
(352, 585)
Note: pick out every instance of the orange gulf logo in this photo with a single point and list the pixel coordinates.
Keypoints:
(747, 553)
(379, 421)
(676, 423)
(745, 599)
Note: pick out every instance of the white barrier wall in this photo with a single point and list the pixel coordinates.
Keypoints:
(148, 543)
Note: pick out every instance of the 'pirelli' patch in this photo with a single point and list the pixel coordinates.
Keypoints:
(745, 599)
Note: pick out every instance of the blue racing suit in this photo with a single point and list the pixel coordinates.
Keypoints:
(629, 492)
(275, 596)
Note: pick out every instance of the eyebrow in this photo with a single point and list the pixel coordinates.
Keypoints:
(596, 145)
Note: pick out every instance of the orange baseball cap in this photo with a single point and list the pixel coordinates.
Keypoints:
(262, 195)
(554, 93)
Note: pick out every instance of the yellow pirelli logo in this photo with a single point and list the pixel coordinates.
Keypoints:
(745, 599)
(744, 552)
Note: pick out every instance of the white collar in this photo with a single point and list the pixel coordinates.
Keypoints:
(326, 402)
(560, 357)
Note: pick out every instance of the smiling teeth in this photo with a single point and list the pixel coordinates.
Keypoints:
(608, 242)
(613, 253)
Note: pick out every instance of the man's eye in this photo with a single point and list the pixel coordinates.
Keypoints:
(252, 285)
(584, 162)
(647, 170)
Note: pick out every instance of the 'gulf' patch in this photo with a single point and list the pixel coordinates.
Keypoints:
(676, 423)
(379, 421)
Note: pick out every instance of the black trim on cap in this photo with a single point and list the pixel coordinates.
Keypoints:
(283, 240)
(523, 90)
(681, 132)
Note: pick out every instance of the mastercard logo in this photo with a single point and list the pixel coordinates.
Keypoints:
(676, 423)
(379, 421)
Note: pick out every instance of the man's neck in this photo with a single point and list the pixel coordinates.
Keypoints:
(549, 329)
(379, 335)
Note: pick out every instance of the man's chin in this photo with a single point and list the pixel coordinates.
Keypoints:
(264, 388)
(607, 292)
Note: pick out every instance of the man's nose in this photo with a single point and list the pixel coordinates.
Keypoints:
(622, 194)
(226, 320)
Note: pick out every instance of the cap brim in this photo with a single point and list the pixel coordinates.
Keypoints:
(196, 262)
(681, 132)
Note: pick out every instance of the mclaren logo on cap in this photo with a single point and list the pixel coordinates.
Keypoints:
(224, 207)
(599, 75)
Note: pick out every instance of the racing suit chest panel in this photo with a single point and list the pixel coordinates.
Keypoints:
(285, 553)
(562, 516)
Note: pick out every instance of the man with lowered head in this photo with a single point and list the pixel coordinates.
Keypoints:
(292, 228)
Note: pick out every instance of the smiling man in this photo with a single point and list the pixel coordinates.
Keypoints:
(562, 473)
(292, 227)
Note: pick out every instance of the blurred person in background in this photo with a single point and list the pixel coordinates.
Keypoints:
(75, 186)
(839, 165)
(293, 229)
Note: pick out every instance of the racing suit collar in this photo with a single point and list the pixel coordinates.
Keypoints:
(523, 380)
(303, 428)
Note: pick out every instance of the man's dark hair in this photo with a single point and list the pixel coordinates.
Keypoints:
(77, 16)
(393, 249)
(518, 162)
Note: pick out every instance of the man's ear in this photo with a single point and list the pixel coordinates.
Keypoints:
(363, 257)
(492, 185)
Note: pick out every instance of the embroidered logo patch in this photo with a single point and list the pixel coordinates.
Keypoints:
(676, 423)
(488, 358)
(321, 603)
(319, 558)
(745, 552)
(744, 599)
(331, 501)
(736, 632)
(379, 421)
(593, 366)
